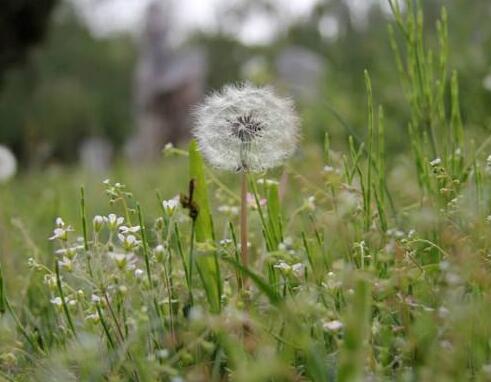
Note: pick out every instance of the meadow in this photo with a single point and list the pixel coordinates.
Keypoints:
(365, 264)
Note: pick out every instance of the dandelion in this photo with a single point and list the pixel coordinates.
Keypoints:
(8, 164)
(246, 129)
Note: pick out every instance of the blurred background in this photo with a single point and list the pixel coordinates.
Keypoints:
(91, 82)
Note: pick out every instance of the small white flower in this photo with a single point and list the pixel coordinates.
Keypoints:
(126, 230)
(246, 128)
(162, 354)
(121, 259)
(113, 221)
(310, 203)
(59, 222)
(435, 162)
(8, 164)
(225, 242)
(282, 266)
(333, 326)
(59, 234)
(66, 264)
(56, 301)
(69, 252)
(50, 281)
(95, 299)
(129, 242)
(328, 169)
(139, 273)
(98, 222)
(170, 206)
(159, 250)
(298, 270)
(93, 318)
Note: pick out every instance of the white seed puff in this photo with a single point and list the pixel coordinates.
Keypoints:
(246, 128)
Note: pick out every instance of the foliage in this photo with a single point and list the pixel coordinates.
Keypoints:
(22, 25)
(366, 264)
(75, 87)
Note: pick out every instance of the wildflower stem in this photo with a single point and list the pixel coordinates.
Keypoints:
(84, 229)
(145, 246)
(244, 255)
(62, 295)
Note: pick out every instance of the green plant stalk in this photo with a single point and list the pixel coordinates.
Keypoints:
(62, 296)
(238, 275)
(84, 230)
(368, 184)
(105, 327)
(145, 246)
(207, 264)
(244, 253)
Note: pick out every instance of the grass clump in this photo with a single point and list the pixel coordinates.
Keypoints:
(353, 273)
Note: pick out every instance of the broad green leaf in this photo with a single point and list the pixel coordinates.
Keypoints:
(207, 264)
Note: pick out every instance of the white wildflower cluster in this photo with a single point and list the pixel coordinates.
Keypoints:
(488, 165)
(246, 128)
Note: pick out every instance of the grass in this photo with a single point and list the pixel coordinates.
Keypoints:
(362, 265)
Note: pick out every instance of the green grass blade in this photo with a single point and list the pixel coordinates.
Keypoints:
(208, 267)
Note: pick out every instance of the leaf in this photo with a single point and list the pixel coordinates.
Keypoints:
(262, 285)
(274, 213)
(207, 265)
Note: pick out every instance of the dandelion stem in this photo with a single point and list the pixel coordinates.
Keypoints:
(244, 255)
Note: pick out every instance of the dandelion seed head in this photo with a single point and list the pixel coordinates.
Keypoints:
(246, 128)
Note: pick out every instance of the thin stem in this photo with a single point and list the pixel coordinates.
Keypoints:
(62, 296)
(244, 255)
(84, 230)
